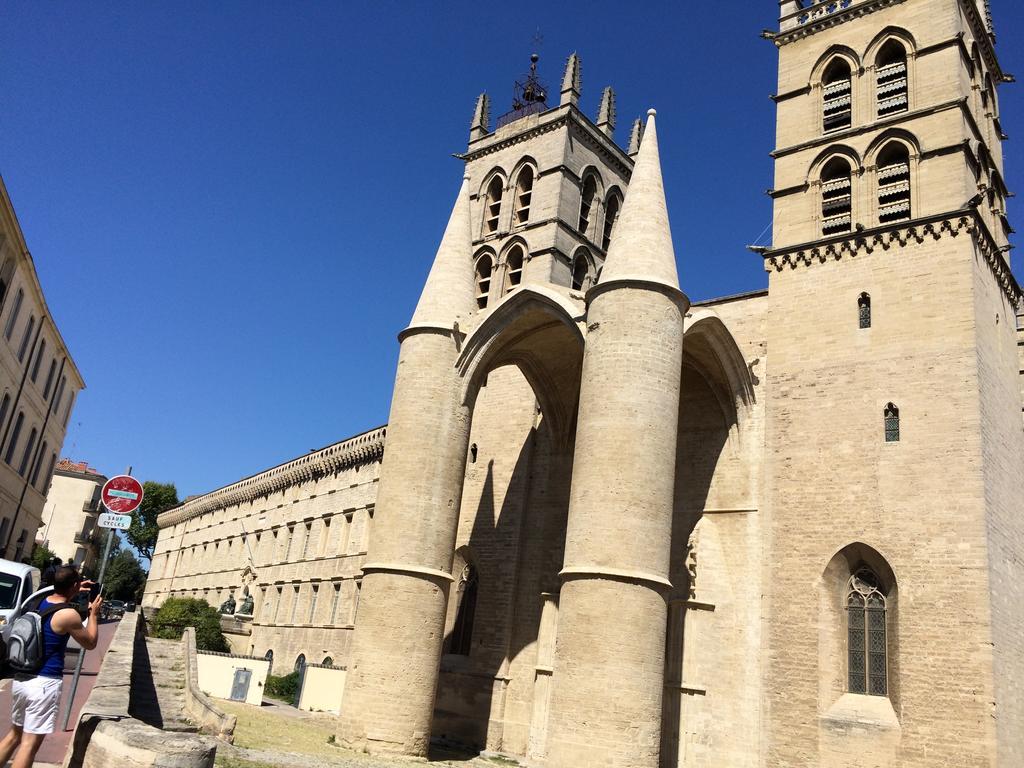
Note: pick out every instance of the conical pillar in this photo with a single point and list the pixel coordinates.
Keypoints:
(609, 654)
(392, 676)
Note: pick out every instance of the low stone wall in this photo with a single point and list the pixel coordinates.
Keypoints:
(198, 705)
(106, 736)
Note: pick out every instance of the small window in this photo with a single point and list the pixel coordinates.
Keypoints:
(472, 453)
(611, 214)
(462, 633)
(893, 183)
(327, 662)
(836, 197)
(866, 635)
(587, 203)
(514, 261)
(891, 85)
(12, 319)
(484, 268)
(492, 212)
(864, 310)
(838, 96)
(524, 195)
(892, 423)
(26, 338)
(580, 272)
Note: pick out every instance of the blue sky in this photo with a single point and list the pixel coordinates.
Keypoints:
(232, 206)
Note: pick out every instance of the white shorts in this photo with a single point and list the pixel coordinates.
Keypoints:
(34, 704)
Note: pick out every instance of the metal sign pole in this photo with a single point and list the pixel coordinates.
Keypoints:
(81, 652)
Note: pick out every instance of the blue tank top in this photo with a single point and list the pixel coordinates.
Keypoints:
(54, 645)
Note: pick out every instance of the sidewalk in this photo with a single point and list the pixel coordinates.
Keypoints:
(56, 744)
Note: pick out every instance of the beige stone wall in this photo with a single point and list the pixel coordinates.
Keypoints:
(299, 548)
(29, 342)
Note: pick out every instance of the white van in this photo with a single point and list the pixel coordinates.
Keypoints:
(17, 582)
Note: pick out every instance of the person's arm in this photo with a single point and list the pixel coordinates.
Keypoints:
(86, 636)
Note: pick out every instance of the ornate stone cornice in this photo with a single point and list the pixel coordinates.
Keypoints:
(854, 244)
(361, 449)
(828, 13)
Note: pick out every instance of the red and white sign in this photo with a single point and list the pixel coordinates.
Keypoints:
(122, 494)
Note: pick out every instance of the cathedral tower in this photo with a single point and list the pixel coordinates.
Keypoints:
(895, 582)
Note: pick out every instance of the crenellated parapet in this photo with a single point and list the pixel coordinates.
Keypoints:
(361, 449)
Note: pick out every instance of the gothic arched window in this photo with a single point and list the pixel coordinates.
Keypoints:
(891, 87)
(866, 637)
(836, 197)
(524, 195)
(864, 310)
(580, 272)
(484, 268)
(514, 268)
(611, 213)
(492, 210)
(462, 634)
(893, 183)
(327, 662)
(837, 108)
(300, 662)
(587, 199)
(891, 414)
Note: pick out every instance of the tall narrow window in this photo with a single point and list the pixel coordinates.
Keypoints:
(295, 603)
(309, 537)
(300, 662)
(891, 70)
(838, 98)
(514, 260)
(277, 604)
(524, 195)
(334, 603)
(312, 604)
(12, 319)
(49, 378)
(866, 639)
(5, 405)
(39, 465)
(26, 338)
(13, 445)
(611, 213)
(893, 183)
(836, 197)
(484, 268)
(891, 414)
(26, 457)
(60, 393)
(587, 203)
(864, 310)
(492, 212)
(580, 271)
(462, 633)
(39, 360)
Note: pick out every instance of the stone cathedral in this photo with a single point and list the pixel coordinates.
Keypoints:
(606, 527)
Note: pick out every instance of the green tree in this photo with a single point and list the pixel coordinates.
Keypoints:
(123, 578)
(176, 613)
(157, 498)
(42, 556)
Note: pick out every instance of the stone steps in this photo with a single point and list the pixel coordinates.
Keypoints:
(158, 685)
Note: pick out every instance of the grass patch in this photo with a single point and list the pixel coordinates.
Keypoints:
(258, 729)
(223, 761)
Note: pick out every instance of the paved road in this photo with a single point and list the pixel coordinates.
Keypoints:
(56, 744)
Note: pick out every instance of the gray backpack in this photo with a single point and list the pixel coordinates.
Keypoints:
(25, 643)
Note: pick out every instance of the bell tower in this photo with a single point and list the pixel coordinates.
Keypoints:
(892, 351)
(546, 186)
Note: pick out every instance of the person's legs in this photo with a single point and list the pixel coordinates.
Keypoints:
(9, 743)
(30, 743)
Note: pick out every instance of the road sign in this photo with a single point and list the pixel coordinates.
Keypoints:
(122, 494)
(114, 520)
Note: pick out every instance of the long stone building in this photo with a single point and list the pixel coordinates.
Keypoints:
(39, 382)
(614, 528)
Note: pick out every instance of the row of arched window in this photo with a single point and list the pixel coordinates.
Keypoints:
(893, 192)
(892, 86)
(509, 272)
(522, 200)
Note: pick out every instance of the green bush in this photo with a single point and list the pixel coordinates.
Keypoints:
(176, 613)
(285, 687)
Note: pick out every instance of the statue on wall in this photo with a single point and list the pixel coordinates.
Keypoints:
(228, 606)
(245, 609)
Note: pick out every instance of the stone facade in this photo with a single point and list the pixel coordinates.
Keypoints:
(70, 513)
(39, 383)
(784, 528)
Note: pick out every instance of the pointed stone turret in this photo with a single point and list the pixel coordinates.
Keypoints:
(606, 114)
(481, 124)
(642, 246)
(609, 679)
(396, 647)
(448, 292)
(635, 137)
(571, 81)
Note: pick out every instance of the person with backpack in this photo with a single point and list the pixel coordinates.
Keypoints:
(36, 647)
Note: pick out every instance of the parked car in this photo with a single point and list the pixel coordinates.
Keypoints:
(112, 609)
(17, 582)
